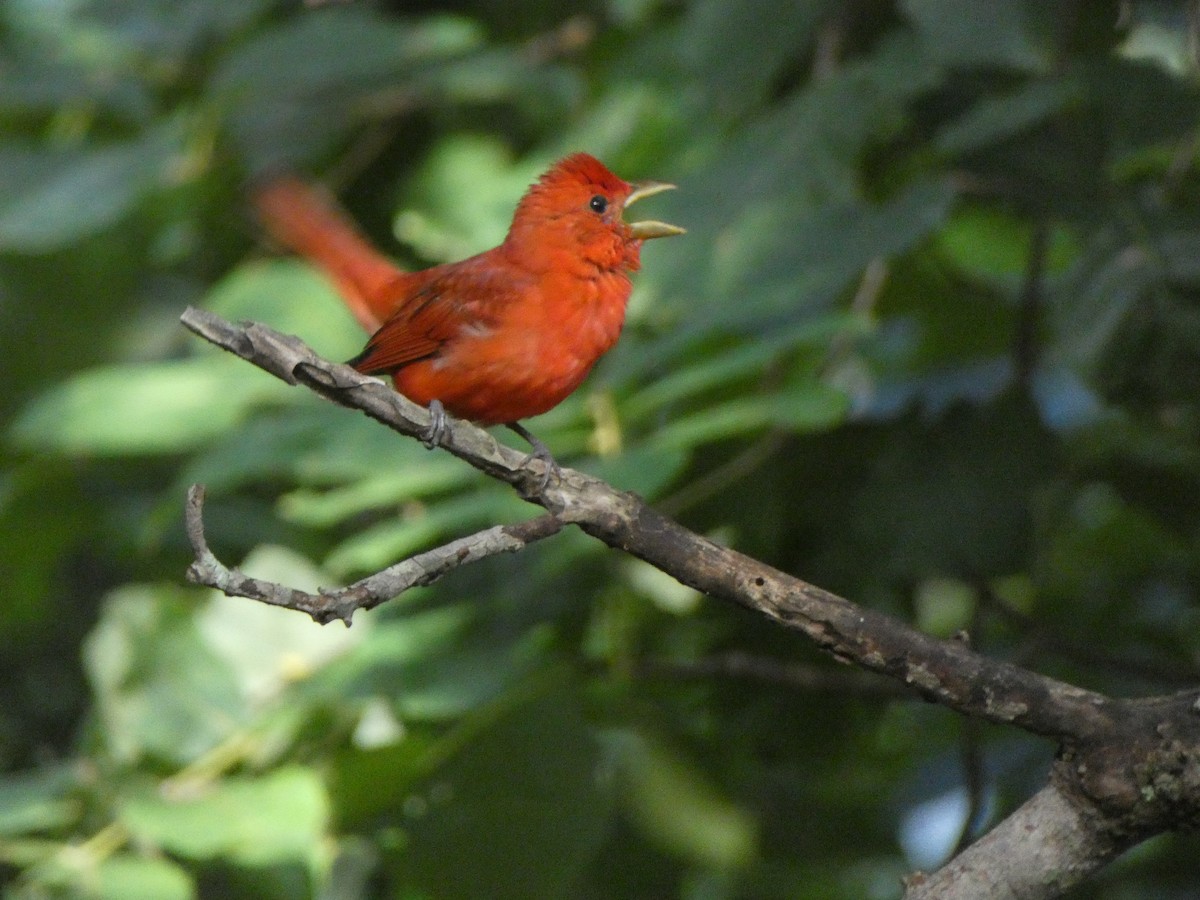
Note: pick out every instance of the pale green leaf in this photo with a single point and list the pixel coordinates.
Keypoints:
(159, 689)
(146, 408)
(678, 808)
(278, 817)
(128, 877)
(267, 648)
(293, 297)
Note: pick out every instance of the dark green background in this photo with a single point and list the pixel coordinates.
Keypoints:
(932, 342)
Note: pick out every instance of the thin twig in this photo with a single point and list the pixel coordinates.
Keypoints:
(341, 603)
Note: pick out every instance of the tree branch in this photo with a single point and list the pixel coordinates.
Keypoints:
(341, 603)
(1128, 769)
(1048, 845)
(947, 672)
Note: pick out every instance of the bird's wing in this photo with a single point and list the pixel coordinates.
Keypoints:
(461, 299)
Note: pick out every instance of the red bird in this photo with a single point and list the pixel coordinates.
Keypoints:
(503, 335)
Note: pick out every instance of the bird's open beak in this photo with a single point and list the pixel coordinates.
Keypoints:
(650, 229)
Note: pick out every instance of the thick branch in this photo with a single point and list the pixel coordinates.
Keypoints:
(341, 603)
(945, 671)
(1058, 843)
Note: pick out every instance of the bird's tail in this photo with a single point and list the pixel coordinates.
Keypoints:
(301, 217)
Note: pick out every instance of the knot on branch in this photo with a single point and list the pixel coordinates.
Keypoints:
(1143, 772)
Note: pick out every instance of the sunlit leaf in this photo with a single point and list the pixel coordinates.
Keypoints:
(292, 297)
(160, 691)
(146, 409)
(277, 817)
(463, 198)
(128, 877)
(267, 648)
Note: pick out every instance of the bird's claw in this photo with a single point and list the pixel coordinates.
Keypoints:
(551, 468)
(437, 425)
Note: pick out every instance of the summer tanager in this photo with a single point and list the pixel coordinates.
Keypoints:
(503, 335)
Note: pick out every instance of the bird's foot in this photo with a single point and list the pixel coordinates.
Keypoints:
(540, 452)
(437, 425)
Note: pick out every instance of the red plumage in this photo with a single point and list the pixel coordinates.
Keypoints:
(503, 335)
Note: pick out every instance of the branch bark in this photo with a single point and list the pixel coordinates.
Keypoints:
(1047, 846)
(1128, 768)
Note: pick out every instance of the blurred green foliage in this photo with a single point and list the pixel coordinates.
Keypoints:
(932, 341)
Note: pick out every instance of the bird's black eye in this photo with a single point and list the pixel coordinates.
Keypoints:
(598, 204)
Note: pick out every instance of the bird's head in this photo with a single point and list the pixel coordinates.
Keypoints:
(577, 208)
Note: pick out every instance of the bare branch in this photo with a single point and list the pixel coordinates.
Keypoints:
(1057, 841)
(944, 671)
(1127, 768)
(341, 603)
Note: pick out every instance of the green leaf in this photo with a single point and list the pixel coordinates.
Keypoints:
(149, 408)
(293, 297)
(38, 801)
(160, 690)
(306, 55)
(714, 370)
(738, 51)
(992, 245)
(805, 407)
(43, 516)
(416, 474)
(645, 470)
(1002, 32)
(120, 876)
(434, 220)
(998, 118)
(417, 529)
(944, 606)
(268, 649)
(166, 30)
(124, 876)
(49, 199)
(278, 817)
(678, 808)
(433, 665)
(292, 91)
